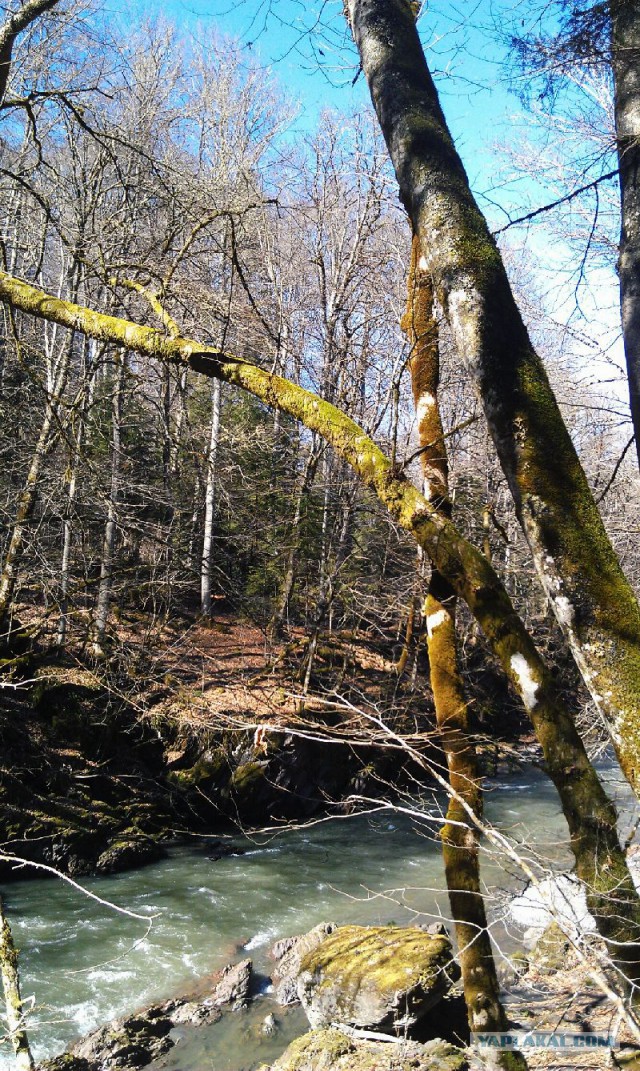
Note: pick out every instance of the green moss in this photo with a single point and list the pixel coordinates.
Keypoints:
(390, 958)
(245, 777)
(203, 772)
(329, 1049)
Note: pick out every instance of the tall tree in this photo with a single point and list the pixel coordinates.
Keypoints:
(577, 566)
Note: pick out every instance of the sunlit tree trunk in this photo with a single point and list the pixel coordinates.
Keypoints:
(12, 998)
(578, 568)
(459, 837)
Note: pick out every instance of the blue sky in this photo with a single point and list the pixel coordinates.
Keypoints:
(317, 68)
(305, 46)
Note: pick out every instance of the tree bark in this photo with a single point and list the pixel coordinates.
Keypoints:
(10, 30)
(27, 500)
(108, 547)
(210, 503)
(625, 64)
(590, 815)
(459, 838)
(280, 612)
(576, 564)
(12, 998)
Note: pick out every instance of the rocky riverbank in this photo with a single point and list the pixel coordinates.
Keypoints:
(377, 999)
(104, 764)
(363, 990)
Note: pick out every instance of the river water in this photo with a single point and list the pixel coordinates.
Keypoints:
(83, 964)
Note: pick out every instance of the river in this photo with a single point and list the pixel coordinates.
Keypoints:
(82, 964)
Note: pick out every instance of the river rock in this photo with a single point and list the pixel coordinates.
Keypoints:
(560, 898)
(131, 1042)
(289, 952)
(334, 1050)
(377, 977)
(66, 1062)
(234, 986)
(129, 853)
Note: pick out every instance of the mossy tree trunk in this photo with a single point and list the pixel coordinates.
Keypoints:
(459, 837)
(625, 63)
(576, 564)
(590, 815)
(12, 998)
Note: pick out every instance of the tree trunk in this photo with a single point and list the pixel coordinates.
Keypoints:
(27, 500)
(108, 548)
(625, 63)
(576, 564)
(210, 503)
(459, 839)
(306, 481)
(12, 998)
(67, 535)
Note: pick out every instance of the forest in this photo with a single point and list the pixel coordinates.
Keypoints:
(318, 515)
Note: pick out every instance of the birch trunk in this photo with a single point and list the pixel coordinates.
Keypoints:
(67, 537)
(576, 564)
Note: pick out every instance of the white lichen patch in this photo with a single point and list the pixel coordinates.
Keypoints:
(527, 683)
(434, 621)
(564, 611)
(424, 406)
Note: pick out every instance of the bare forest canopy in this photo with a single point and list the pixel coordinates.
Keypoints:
(294, 380)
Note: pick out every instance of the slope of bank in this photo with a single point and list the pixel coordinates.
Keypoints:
(198, 729)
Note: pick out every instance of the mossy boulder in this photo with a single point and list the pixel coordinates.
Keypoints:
(333, 1050)
(289, 953)
(379, 977)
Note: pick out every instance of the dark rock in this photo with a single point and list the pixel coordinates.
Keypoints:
(126, 1043)
(218, 849)
(129, 853)
(66, 1062)
(378, 978)
(335, 1050)
(289, 952)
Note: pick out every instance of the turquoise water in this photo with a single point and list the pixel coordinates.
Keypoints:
(83, 964)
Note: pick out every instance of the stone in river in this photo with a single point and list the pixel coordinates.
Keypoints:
(289, 952)
(375, 977)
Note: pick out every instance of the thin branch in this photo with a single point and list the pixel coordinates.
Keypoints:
(554, 204)
(616, 470)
